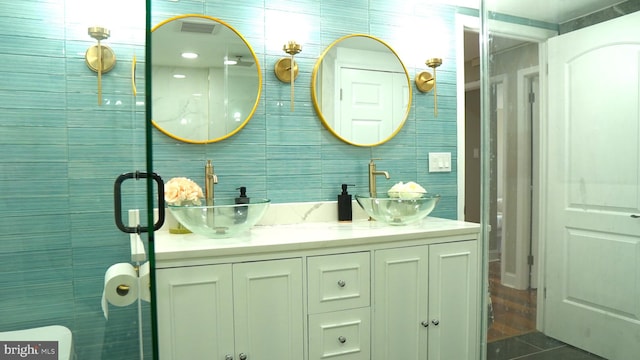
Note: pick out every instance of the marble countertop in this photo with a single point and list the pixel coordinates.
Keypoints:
(294, 227)
(304, 236)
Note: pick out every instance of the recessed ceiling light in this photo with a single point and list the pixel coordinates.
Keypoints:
(179, 76)
(189, 55)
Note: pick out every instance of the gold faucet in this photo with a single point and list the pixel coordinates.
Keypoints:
(210, 179)
(372, 177)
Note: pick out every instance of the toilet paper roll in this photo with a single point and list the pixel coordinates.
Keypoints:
(120, 286)
(145, 282)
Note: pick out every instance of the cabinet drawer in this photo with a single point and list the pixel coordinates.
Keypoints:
(338, 282)
(342, 335)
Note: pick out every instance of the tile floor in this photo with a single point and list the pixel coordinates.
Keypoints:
(535, 346)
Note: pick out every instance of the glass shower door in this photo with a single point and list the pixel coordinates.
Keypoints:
(566, 184)
(64, 142)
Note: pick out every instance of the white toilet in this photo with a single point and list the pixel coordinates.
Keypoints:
(46, 333)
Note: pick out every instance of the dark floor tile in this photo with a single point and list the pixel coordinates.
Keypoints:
(562, 353)
(509, 349)
(540, 340)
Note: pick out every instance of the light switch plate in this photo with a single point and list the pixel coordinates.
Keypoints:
(439, 162)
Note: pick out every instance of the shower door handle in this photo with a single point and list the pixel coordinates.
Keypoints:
(117, 201)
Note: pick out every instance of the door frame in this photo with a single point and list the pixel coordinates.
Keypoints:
(526, 273)
(523, 32)
(533, 34)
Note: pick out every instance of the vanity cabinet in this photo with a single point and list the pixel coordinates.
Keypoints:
(320, 291)
(426, 302)
(247, 310)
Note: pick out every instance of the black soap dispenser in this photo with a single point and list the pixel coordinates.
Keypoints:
(344, 204)
(241, 211)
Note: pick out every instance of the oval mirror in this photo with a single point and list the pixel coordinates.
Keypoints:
(206, 79)
(361, 90)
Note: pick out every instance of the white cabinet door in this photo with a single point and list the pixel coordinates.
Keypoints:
(400, 303)
(195, 310)
(453, 297)
(227, 311)
(269, 319)
(425, 302)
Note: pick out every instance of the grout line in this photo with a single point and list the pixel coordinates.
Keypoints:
(518, 338)
(535, 353)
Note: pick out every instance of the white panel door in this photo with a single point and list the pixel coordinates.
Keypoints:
(268, 313)
(401, 98)
(366, 106)
(593, 181)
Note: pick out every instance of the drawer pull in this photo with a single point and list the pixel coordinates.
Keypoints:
(425, 323)
(228, 357)
(242, 356)
(341, 283)
(435, 322)
(342, 339)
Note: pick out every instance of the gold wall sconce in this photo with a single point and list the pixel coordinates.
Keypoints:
(425, 82)
(100, 58)
(286, 68)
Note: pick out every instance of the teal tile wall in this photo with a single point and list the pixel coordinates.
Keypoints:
(60, 156)
(61, 152)
(289, 156)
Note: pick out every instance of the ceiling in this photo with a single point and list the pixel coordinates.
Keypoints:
(552, 11)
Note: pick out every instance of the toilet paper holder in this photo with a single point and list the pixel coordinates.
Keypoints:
(122, 289)
(125, 284)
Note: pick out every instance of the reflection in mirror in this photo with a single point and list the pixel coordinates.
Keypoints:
(361, 90)
(206, 79)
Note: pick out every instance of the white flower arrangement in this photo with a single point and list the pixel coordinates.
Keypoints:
(182, 191)
(410, 190)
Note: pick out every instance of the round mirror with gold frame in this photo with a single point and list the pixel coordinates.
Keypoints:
(361, 90)
(206, 79)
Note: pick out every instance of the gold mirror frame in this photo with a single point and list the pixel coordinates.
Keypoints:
(316, 91)
(204, 30)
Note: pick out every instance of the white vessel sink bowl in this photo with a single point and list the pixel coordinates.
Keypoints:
(223, 219)
(406, 209)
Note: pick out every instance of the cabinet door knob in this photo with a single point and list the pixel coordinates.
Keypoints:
(341, 283)
(242, 356)
(435, 322)
(228, 357)
(425, 323)
(342, 339)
